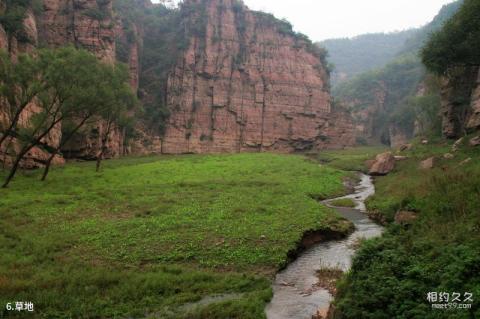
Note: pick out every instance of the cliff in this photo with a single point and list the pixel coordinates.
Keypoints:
(461, 101)
(216, 77)
(248, 83)
(84, 23)
(14, 44)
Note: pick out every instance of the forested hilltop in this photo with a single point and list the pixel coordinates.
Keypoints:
(351, 56)
(400, 100)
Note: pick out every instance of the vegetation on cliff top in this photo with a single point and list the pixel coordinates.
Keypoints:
(150, 235)
(457, 44)
(13, 15)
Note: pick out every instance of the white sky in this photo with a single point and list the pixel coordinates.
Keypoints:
(324, 19)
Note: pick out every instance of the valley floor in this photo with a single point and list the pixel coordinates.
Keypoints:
(149, 237)
(152, 237)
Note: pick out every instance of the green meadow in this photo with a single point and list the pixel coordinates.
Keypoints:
(150, 237)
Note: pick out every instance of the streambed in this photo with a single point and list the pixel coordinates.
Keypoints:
(296, 295)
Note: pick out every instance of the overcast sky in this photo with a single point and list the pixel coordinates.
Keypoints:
(324, 19)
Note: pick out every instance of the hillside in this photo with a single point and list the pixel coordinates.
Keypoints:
(352, 56)
(393, 103)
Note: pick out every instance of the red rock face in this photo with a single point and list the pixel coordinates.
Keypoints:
(3, 39)
(246, 87)
(35, 157)
(458, 116)
(85, 23)
(474, 118)
(243, 86)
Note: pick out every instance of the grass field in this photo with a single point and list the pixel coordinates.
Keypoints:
(149, 236)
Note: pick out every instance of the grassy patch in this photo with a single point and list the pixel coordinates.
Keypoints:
(328, 277)
(148, 235)
(344, 202)
(352, 159)
(407, 181)
(391, 276)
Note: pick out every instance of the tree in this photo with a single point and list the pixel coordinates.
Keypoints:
(457, 43)
(103, 98)
(75, 88)
(117, 100)
(20, 83)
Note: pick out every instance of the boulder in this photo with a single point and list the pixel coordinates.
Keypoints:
(384, 164)
(429, 163)
(424, 142)
(468, 160)
(321, 314)
(369, 163)
(457, 144)
(405, 217)
(400, 158)
(448, 156)
(475, 141)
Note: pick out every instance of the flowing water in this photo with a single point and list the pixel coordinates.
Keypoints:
(295, 292)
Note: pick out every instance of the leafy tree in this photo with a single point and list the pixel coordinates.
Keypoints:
(12, 18)
(20, 83)
(457, 43)
(116, 101)
(75, 86)
(104, 91)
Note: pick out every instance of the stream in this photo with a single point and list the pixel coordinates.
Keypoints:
(295, 293)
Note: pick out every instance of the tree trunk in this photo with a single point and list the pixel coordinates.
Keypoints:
(62, 143)
(14, 168)
(5, 154)
(13, 124)
(25, 150)
(104, 145)
(47, 165)
(99, 161)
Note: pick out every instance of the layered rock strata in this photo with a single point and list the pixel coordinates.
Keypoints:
(245, 86)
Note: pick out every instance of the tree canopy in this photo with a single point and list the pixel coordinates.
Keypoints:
(65, 85)
(457, 43)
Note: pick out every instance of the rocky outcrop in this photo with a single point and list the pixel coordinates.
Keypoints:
(86, 24)
(243, 82)
(398, 136)
(245, 86)
(429, 163)
(29, 40)
(87, 144)
(36, 157)
(384, 164)
(460, 101)
(475, 141)
(3, 39)
(473, 122)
